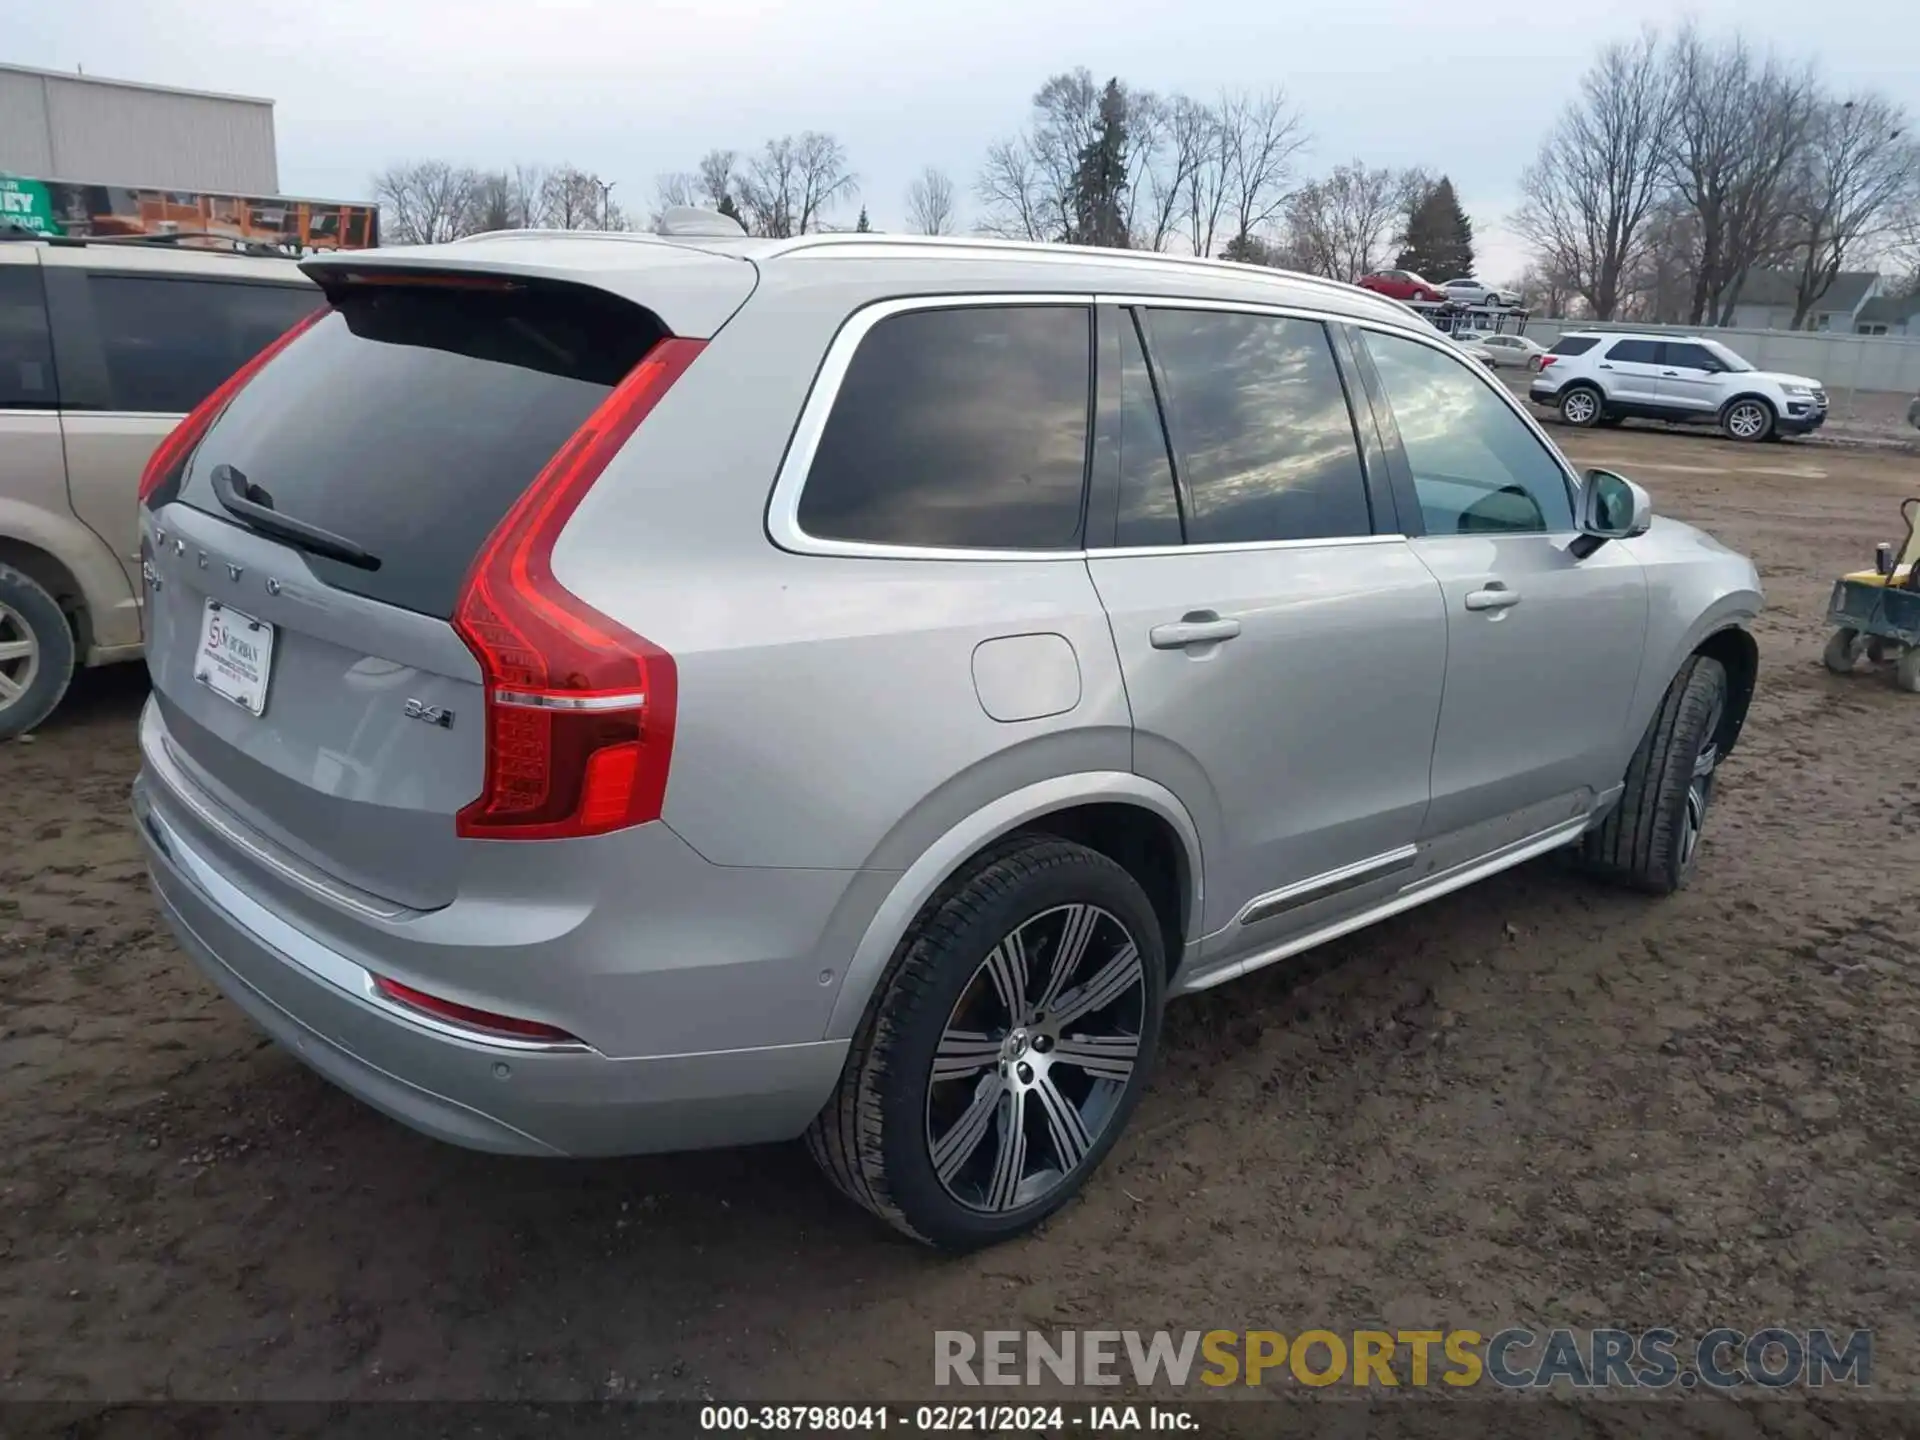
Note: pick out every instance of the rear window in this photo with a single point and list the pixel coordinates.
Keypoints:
(410, 419)
(959, 428)
(1574, 345)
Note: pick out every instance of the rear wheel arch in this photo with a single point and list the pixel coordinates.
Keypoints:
(46, 571)
(1137, 823)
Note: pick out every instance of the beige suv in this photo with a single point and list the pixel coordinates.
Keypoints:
(104, 345)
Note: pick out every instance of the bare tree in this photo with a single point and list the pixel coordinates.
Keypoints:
(787, 188)
(1855, 179)
(1010, 192)
(575, 199)
(1587, 198)
(930, 204)
(1198, 127)
(1342, 226)
(681, 187)
(1739, 122)
(1259, 137)
(1547, 291)
(424, 202)
(1180, 136)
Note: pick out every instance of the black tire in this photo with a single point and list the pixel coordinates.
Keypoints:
(1735, 424)
(1651, 840)
(875, 1138)
(1582, 406)
(31, 685)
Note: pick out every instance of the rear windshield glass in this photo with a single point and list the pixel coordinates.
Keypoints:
(1575, 345)
(410, 419)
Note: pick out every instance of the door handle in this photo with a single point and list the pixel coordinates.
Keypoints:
(1604, 366)
(1495, 597)
(1196, 627)
(1670, 374)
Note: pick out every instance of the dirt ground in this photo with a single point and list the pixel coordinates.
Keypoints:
(1535, 1102)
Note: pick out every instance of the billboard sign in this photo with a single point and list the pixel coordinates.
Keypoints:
(60, 207)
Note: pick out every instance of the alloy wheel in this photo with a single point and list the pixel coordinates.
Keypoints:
(19, 656)
(1578, 408)
(1700, 786)
(1035, 1058)
(1747, 421)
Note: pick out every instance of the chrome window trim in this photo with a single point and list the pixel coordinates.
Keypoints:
(783, 506)
(1498, 387)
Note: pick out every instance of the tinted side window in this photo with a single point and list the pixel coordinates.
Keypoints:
(1149, 506)
(1691, 357)
(1574, 345)
(959, 428)
(170, 343)
(1261, 427)
(1636, 352)
(26, 355)
(1476, 466)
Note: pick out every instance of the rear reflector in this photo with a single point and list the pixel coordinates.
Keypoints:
(579, 709)
(170, 457)
(468, 1017)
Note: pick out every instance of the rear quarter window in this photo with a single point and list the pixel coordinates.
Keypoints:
(26, 353)
(1574, 345)
(959, 427)
(169, 342)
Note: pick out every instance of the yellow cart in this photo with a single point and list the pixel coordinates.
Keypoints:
(1876, 613)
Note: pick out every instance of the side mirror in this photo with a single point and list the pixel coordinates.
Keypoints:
(1612, 507)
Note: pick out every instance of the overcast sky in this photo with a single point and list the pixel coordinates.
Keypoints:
(633, 89)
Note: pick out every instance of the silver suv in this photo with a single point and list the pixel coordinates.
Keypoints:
(1602, 378)
(104, 345)
(621, 693)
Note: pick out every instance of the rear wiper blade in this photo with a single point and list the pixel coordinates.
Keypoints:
(241, 498)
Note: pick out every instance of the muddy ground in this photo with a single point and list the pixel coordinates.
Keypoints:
(1533, 1102)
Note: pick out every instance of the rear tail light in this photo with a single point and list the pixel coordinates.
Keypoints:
(1546, 360)
(579, 709)
(469, 1018)
(167, 461)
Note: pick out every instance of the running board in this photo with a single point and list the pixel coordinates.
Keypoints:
(1432, 888)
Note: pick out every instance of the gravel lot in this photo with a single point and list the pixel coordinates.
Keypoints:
(1533, 1102)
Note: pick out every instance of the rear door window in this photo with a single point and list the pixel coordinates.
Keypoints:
(959, 427)
(1261, 430)
(26, 353)
(410, 419)
(1635, 352)
(168, 343)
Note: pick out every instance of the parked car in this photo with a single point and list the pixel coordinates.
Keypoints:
(1402, 285)
(1513, 351)
(1602, 378)
(1913, 413)
(1475, 296)
(625, 693)
(1475, 344)
(103, 347)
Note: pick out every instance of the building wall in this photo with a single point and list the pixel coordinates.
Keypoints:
(108, 132)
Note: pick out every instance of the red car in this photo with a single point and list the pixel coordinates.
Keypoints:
(1401, 285)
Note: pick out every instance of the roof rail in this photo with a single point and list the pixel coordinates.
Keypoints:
(170, 238)
(1042, 247)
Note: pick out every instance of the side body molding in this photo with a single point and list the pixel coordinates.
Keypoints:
(920, 880)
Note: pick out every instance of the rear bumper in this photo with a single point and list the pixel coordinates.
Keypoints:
(510, 1097)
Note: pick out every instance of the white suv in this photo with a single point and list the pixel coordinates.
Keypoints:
(1595, 378)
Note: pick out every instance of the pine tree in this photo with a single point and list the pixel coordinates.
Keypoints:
(1439, 239)
(1100, 182)
(732, 211)
(861, 224)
